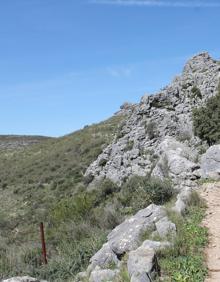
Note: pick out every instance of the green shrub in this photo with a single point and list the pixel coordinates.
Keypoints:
(196, 93)
(151, 130)
(138, 192)
(206, 121)
(73, 257)
(129, 146)
(185, 260)
(77, 208)
(105, 188)
(159, 191)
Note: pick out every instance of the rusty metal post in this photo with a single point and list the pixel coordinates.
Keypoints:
(44, 252)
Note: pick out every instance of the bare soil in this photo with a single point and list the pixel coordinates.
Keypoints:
(211, 193)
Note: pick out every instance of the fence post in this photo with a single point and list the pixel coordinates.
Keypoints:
(44, 252)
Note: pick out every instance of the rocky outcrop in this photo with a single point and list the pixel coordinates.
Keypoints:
(157, 140)
(126, 238)
(138, 149)
(210, 163)
(177, 162)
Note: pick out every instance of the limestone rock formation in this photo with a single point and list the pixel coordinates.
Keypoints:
(210, 163)
(126, 238)
(156, 139)
(142, 264)
(101, 275)
(140, 146)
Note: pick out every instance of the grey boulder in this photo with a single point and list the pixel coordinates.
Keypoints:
(126, 236)
(104, 257)
(210, 163)
(166, 228)
(142, 264)
(103, 275)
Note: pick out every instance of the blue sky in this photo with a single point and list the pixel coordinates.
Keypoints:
(66, 64)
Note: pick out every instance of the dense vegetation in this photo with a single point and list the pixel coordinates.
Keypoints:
(185, 261)
(206, 120)
(45, 182)
(33, 182)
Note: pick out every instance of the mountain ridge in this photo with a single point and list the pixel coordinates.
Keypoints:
(101, 179)
(167, 113)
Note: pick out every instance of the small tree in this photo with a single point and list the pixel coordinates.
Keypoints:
(206, 120)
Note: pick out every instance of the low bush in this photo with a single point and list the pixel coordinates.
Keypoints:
(138, 192)
(196, 93)
(151, 130)
(185, 261)
(206, 120)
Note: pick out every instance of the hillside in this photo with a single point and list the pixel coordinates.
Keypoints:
(35, 179)
(118, 187)
(10, 142)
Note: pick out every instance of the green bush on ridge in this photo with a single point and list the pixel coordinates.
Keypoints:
(206, 120)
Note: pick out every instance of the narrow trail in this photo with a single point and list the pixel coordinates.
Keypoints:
(211, 193)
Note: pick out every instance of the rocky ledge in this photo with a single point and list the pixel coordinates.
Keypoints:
(154, 129)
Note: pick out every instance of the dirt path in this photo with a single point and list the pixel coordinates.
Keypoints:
(211, 193)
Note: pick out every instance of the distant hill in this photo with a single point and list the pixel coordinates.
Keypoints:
(19, 141)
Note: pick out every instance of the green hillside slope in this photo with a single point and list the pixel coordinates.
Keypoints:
(44, 182)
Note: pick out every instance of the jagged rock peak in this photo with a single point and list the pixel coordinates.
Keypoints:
(136, 147)
(199, 62)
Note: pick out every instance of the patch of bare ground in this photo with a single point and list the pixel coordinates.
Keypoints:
(210, 192)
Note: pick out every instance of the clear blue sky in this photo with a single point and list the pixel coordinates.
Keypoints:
(68, 63)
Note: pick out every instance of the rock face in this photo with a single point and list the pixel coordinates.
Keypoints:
(157, 140)
(126, 238)
(147, 141)
(210, 163)
(176, 162)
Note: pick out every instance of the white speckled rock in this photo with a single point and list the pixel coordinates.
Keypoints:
(210, 163)
(167, 114)
(103, 275)
(126, 236)
(141, 264)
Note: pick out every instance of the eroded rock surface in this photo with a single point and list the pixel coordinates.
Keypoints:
(137, 148)
(210, 163)
(126, 236)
